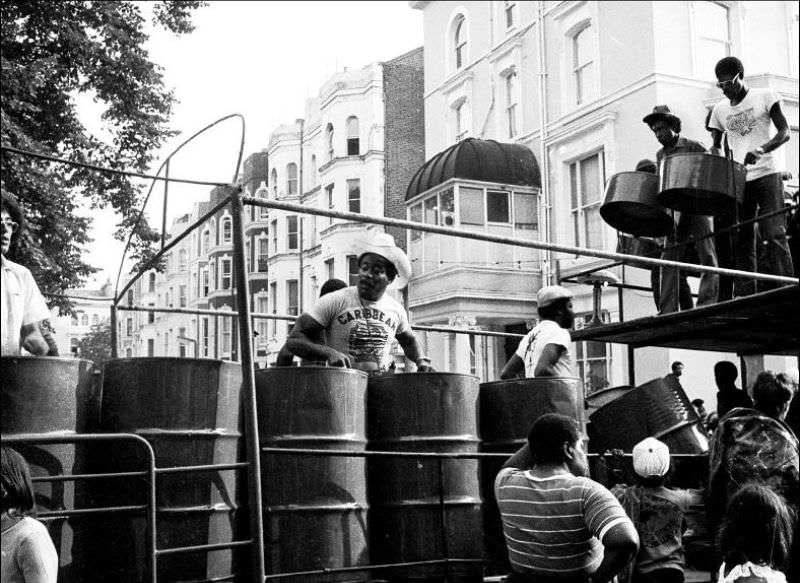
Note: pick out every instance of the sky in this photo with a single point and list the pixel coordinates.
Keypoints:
(258, 59)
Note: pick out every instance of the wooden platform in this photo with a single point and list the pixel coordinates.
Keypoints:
(762, 323)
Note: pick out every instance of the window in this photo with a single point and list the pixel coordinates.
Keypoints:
(330, 268)
(447, 214)
(182, 296)
(183, 259)
(460, 42)
(329, 199)
(471, 203)
(84, 320)
(460, 121)
(273, 227)
(95, 319)
(151, 283)
(227, 327)
(151, 347)
(526, 212)
(593, 359)
(313, 177)
(511, 103)
(497, 207)
(226, 230)
(167, 301)
(712, 36)
(291, 179)
(263, 212)
(583, 64)
(129, 327)
(291, 232)
(205, 282)
(130, 297)
(354, 195)
(586, 184)
(262, 307)
(273, 300)
(352, 270)
(247, 258)
(291, 302)
(273, 178)
(225, 274)
(204, 336)
(74, 320)
(151, 316)
(329, 140)
(212, 277)
(182, 342)
(128, 352)
(509, 9)
(431, 208)
(415, 214)
(263, 254)
(353, 146)
(206, 241)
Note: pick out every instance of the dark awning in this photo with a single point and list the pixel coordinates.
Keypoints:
(762, 323)
(484, 160)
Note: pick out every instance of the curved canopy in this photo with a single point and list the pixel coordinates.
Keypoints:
(485, 160)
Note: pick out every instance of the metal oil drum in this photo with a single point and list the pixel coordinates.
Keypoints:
(189, 412)
(508, 408)
(424, 508)
(315, 506)
(53, 396)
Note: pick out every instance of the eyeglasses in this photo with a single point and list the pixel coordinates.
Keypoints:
(11, 225)
(728, 83)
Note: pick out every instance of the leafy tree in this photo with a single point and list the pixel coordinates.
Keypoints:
(96, 345)
(51, 53)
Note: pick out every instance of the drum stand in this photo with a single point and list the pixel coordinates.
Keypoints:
(598, 279)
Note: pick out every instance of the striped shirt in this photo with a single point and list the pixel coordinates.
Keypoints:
(553, 526)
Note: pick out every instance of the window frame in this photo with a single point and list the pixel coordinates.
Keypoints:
(354, 202)
(578, 213)
(292, 232)
(460, 42)
(353, 136)
(291, 179)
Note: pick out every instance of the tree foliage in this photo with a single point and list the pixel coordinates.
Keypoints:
(53, 52)
(96, 345)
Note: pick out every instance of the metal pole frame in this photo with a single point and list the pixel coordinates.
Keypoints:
(258, 572)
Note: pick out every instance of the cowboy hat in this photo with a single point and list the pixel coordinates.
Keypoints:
(661, 112)
(383, 244)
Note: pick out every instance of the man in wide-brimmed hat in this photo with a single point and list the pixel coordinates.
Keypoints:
(361, 321)
(667, 128)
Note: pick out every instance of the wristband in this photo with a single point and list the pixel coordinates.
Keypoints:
(424, 359)
(760, 151)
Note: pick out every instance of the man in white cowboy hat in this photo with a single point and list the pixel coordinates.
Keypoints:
(667, 128)
(361, 321)
(544, 352)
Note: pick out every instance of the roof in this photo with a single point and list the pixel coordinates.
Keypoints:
(762, 323)
(484, 160)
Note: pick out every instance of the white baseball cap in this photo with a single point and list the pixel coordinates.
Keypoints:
(651, 458)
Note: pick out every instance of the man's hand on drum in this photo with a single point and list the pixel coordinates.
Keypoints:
(753, 156)
(336, 358)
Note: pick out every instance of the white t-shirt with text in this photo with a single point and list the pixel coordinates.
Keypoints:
(362, 329)
(749, 126)
(531, 347)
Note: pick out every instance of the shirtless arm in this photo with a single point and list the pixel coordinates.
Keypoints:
(547, 361)
(300, 343)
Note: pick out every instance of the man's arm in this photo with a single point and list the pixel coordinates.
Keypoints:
(548, 359)
(620, 545)
(285, 357)
(408, 342)
(48, 333)
(513, 367)
(716, 136)
(300, 343)
(780, 138)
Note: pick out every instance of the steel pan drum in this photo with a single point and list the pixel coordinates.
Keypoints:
(508, 408)
(604, 397)
(315, 506)
(701, 184)
(49, 395)
(414, 508)
(630, 205)
(189, 411)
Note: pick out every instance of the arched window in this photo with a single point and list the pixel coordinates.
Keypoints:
(583, 63)
(151, 284)
(84, 320)
(95, 320)
(226, 230)
(460, 42)
(353, 146)
(183, 259)
(206, 242)
(313, 171)
(273, 178)
(74, 320)
(291, 179)
(329, 140)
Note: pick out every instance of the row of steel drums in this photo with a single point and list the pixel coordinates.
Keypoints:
(322, 510)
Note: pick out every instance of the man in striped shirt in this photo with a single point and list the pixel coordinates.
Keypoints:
(559, 525)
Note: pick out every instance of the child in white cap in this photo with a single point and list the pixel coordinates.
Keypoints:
(658, 514)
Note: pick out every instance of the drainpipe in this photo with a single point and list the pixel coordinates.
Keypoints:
(300, 221)
(547, 261)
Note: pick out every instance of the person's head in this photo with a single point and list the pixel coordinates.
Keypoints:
(677, 368)
(13, 221)
(646, 165)
(381, 264)
(772, 394)
(665, 125)
(699, 406)
(16, 482)
(555, 303)
(331, 285)
(651, 461)
(554, 440)
(757, 527)
(725, 374)
(730, 76)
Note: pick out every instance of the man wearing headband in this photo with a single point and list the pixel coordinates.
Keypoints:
(360, 322)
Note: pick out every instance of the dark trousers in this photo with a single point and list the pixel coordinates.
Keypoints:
(678, 247)
(533, 578)
(724, 243)
(761, 196)
(660, 576)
